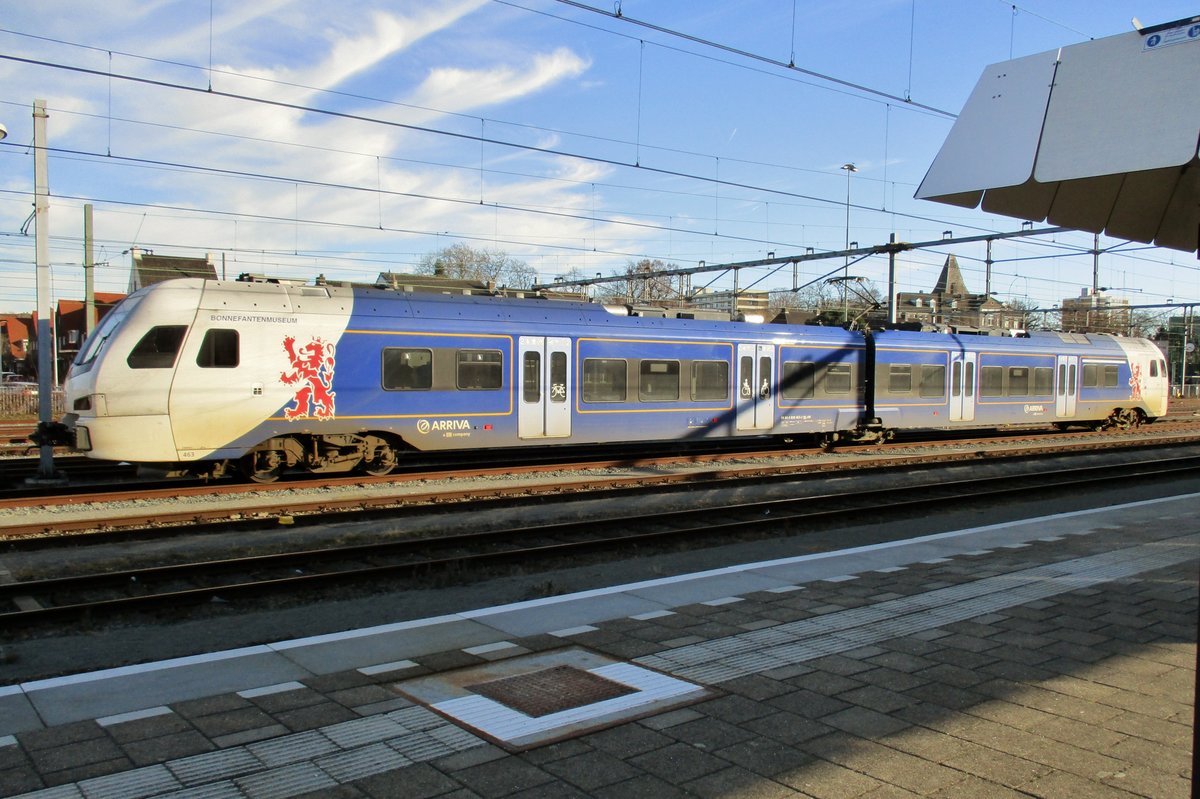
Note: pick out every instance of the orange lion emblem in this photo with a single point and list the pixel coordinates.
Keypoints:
(312, 370)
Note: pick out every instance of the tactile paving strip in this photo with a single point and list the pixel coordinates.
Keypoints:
(529, 701)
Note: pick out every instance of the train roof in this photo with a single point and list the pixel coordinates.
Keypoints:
(466, 304)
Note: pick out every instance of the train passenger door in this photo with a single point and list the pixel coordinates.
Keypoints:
(1067, 389)
(756, 392)
(962, 386)
(544, 387)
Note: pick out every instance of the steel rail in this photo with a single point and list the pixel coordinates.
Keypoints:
(412, 556)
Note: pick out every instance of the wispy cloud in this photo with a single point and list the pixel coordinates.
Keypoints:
(458, 89)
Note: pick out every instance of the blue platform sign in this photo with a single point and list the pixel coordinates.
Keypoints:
(1180, 35)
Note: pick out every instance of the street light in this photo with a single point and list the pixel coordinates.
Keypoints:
(850, 169)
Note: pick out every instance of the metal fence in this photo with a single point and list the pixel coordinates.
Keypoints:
(24, 405)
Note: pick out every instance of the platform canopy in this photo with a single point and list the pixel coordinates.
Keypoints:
(1100, 136)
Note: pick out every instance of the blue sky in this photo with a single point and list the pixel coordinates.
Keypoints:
(297, 138)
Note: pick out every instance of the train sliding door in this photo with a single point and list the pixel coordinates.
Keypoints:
(756, 394)
(1068, 386)
(962, 386)
(544, 387)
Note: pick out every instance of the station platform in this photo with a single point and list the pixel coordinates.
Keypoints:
(1052, 657)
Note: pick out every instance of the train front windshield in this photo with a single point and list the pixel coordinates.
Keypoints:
(96, 341)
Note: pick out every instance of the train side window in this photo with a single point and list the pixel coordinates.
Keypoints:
(710, 380)
(532, 367)
(837, 378)
(933, 380)
(1043, 381)
(480, 370)
(407, 369)
(658, 381)
(991, 381)
(158, 348)
(1091, 377)
(558, 377)
(1110, 375)
(1018, 381)
(604, 380)
(219, 350)
(799, 379)
(1154, 368)
(900, 378)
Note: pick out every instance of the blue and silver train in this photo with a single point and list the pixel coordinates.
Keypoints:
(265, 377)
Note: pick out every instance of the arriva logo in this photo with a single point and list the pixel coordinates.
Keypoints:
(1035, 409)
(442, 425)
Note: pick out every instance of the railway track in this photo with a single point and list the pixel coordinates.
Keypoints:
(121, 512)
(166, 588)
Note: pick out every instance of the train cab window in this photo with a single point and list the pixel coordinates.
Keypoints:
(604, 380)
(158, 348)
(407, 369)
(1154, 368)
(219, 350)
(837, 378)
(531, 366)
(710, 380)
(933, 380)
(799, 379)
(991, 381)
(658, 381)
(1043, 381)
(480, 370)
(899, 378)
(1018, 381)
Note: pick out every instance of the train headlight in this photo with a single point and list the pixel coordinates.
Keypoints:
(83, 439)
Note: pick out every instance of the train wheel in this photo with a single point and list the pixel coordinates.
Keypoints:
(385, 457)
(263, 466)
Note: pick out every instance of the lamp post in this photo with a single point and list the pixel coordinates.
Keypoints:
(45, 335)
(850, 169)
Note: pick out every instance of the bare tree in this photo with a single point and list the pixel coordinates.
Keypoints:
(462, 262)
(644, 284)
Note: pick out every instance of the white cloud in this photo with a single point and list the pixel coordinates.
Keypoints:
(458, 89)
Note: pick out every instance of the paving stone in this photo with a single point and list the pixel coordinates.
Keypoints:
(501, 777)
(420, 781)
(787, 728)
(74, 755)
(733, 781)
(314, 716)
(63, 734)
(19, 779)
(764, 756)
(232, 721)
(147, 751)
(591, 770)
(678, 763)
(822, 779)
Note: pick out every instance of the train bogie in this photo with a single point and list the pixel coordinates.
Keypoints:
(265, 378)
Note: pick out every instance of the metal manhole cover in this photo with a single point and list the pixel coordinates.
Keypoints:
(552, 690)
(535, 699)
